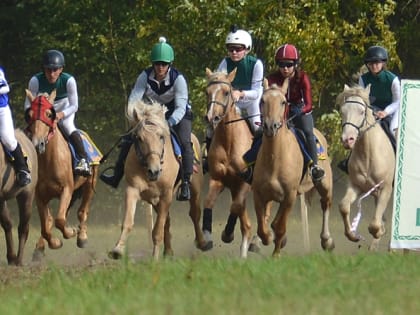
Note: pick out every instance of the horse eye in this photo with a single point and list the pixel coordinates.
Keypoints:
(49, 114)
(227, 93)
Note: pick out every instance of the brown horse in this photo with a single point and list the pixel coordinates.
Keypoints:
(23, 195)
(151, 172)
(56, 178)
(371, 162)
(280, 174)
(231, 139)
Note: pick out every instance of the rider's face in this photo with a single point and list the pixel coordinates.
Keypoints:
(375, 66)
(52, 74)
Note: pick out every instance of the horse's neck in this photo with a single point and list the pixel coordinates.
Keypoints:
(57, 146)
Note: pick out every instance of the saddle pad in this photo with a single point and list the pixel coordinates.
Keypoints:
(94, 154)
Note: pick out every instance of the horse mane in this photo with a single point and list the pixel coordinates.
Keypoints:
(355, 90)
(139, 112)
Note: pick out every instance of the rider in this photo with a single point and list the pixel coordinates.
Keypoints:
(7, 135)
(300, 99)
(166, 85)
(66, 102)
(385, 91)
(247, 85)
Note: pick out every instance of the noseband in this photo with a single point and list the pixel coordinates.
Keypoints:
(39, 106)
(364, 121)
(224, 105)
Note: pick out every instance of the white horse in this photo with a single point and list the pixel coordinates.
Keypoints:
(371, 163)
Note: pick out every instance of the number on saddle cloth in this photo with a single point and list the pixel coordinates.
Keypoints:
(93, 153)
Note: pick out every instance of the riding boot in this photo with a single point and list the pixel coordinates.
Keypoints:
(205, 156)
(113, 180)
(344, 165)
(317, 172)
(247, 173)
(23, 175)
(82, 167)
(184, 192)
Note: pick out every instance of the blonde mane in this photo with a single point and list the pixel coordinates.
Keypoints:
(353, 91)
(150, 116)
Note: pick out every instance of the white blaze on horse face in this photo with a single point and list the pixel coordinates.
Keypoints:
(353, 117)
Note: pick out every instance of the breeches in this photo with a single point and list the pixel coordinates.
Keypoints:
(183, 130)
(7, 130)
(306, 124)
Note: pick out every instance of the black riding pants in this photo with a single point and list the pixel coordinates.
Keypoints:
(183, 130)
(306, 124)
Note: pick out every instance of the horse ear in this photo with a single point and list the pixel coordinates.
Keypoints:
(208, 72)
(29, 95)
(52, 96)
(232, 74)
(265, 84)
(346, 87)
(367, 89)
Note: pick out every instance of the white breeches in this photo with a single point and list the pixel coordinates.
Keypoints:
(252, 108)
(7, 130)
(67, 125)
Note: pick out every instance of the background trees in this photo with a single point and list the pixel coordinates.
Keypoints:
(107, 44)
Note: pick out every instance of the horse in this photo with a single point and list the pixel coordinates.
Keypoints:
(151, 173)
(232, 137)
(24, 197)
(371, 163)
(56, 178)
(280, 173)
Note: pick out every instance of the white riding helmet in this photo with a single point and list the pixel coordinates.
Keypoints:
(239, 37)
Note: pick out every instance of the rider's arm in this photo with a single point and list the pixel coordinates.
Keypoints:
(180, 99)
(396, 94)
(72, 96)
(256, 83)
(33, 86)
(138, 91)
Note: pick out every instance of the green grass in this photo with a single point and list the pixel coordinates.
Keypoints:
(313, 284)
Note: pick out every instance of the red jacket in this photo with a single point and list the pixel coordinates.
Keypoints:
(299, 88)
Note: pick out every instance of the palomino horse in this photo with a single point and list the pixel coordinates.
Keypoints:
(56, 178)
(151, 171)
(279, 173)
(23, 195)
(231, 139)
(371, 163)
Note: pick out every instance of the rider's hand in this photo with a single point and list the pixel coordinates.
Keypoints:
(381, 114)
(59, 116)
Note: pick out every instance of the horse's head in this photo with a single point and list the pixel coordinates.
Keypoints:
(356, 113)
(150, 132)
(219, 95)
(273, 108)
(40, 117)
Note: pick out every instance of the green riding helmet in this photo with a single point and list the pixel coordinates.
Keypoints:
(162, 52)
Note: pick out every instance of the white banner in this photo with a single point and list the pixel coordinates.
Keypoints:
(406, 208)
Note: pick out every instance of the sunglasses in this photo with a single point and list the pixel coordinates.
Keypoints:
(161, 63)
(232, 49)
(285, 64)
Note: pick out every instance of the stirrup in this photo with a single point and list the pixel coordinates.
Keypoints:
(183, 193)
(83, 168)
(317, 173)
(23, 178)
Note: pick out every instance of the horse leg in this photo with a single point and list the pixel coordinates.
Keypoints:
(195, 214)
(167, 247)
(162, 209)
(215, 188)
(6, 223)
(376, 227)
(263, 212)
(82, 214)
(327, 242)
(61, 219)
(46, 221)
(24, 201)
(131, 198)
(280, 222)
(344, 206)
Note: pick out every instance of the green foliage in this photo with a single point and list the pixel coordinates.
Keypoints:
(107, 43)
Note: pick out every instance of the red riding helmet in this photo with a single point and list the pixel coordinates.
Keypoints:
(287, 51)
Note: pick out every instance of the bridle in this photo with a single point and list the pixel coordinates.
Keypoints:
(228, 98)
(143, 156)
(364, 121)
(38, 108)
(278, 124)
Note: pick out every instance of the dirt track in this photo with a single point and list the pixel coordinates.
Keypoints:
(107, 212)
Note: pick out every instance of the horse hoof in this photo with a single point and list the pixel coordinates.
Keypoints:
(81, 243)
(328, 244)
(38, 254)
(116, 253)
(208, 242)
(227, 238)
(254, 248)
(55, 243)
(283, 242)
(168, 253)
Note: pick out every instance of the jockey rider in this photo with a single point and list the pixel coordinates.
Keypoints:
(247, 85)
(66, 102)
(7, 135)
(385, 91)
(166, 85)
(300, 99)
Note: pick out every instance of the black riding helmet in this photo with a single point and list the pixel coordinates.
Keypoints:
(53, 59)
(376, 53)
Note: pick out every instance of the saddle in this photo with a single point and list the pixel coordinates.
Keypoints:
(92, 151)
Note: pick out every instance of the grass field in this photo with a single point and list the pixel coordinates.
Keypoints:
(312, 284)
